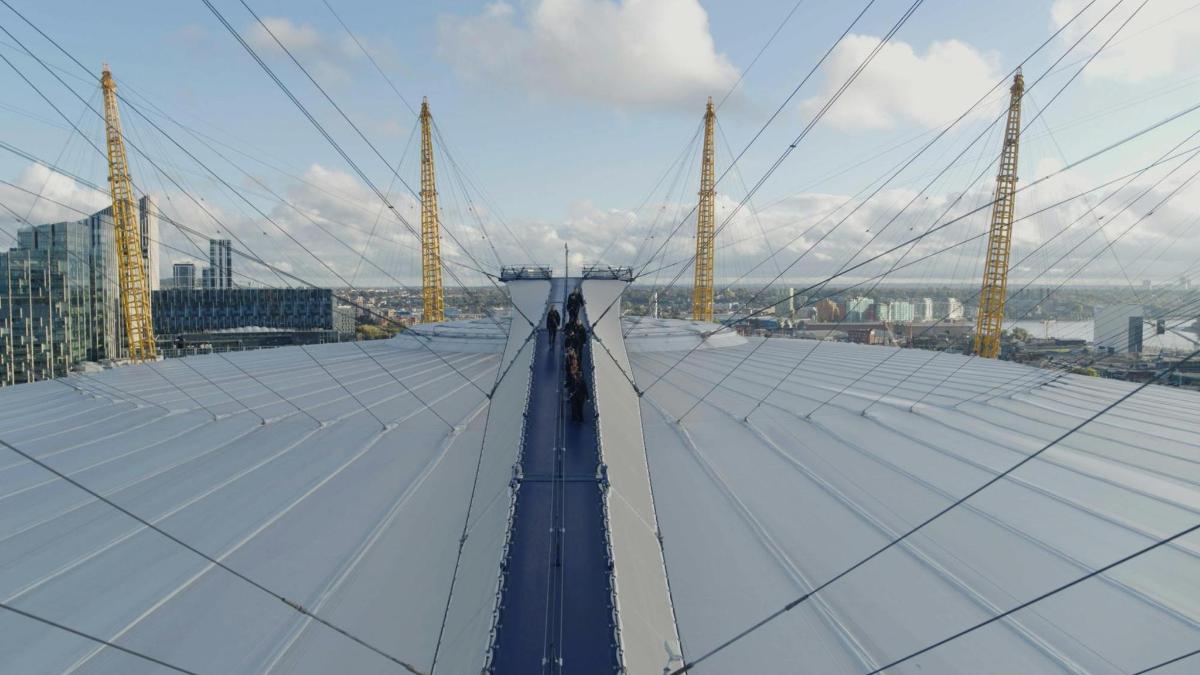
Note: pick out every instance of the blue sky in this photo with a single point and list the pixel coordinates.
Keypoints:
(567, 111)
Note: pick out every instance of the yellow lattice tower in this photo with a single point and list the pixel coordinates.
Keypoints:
(702, 284)
(990, 319)
(131, 268)
(433, 306)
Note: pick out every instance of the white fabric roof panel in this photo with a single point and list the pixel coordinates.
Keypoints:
(362, 525)
(470, 614)
(755, 513)
(358, 524)
(647, 623)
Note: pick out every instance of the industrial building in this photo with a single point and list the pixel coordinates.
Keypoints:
(179, 311)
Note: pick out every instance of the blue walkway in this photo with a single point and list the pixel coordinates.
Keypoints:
(556, 601)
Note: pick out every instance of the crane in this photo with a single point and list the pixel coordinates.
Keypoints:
(133, 281)
(433, 307)
(702, 284)
(989, 320)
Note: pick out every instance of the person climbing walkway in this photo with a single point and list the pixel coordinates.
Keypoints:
(577, 390)
(574, 304)
(552, 321)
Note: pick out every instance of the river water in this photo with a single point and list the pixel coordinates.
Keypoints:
(1076, 330)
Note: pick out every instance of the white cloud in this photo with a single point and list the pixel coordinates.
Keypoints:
(341, 205)
(902, 86)
(327, 57)
(625, 52)
(54, 187)
(1159, 41)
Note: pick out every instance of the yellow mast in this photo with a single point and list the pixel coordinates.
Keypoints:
(990, 319)
(702, 284)
(433, 302)
(131, 270)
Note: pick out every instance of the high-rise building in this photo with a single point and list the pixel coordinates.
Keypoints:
(148, 220)
(828, 310)
(898, 311)
(950, 309)
(183, 275)
(924, 310)
(59, 299)
(859, 309)
(220, 263)
(654, 304)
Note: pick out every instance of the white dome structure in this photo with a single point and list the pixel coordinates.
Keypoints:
(392, 489)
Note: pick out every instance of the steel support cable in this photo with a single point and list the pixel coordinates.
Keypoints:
(726, 96)
(412, 134)
(1052, 265)
(1058, 589)
(1115, 257)
(382, 425)
(400, 382)
(464, 177)
(59, 159)
(462, 540)
(98, 640)
(362, 175)
(1168, 662)
(672, 167)
(456, 175)
(754, 212)
(678, 185)
(371, 59)
(211, 560)
(359, 255)
(761, 51)
(896, 540)
(741, 76)
(923, 149)
(977, 209)
(209, 140)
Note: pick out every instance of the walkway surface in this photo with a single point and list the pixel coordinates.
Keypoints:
(558, 558)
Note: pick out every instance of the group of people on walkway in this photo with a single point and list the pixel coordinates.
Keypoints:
(574, 339)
